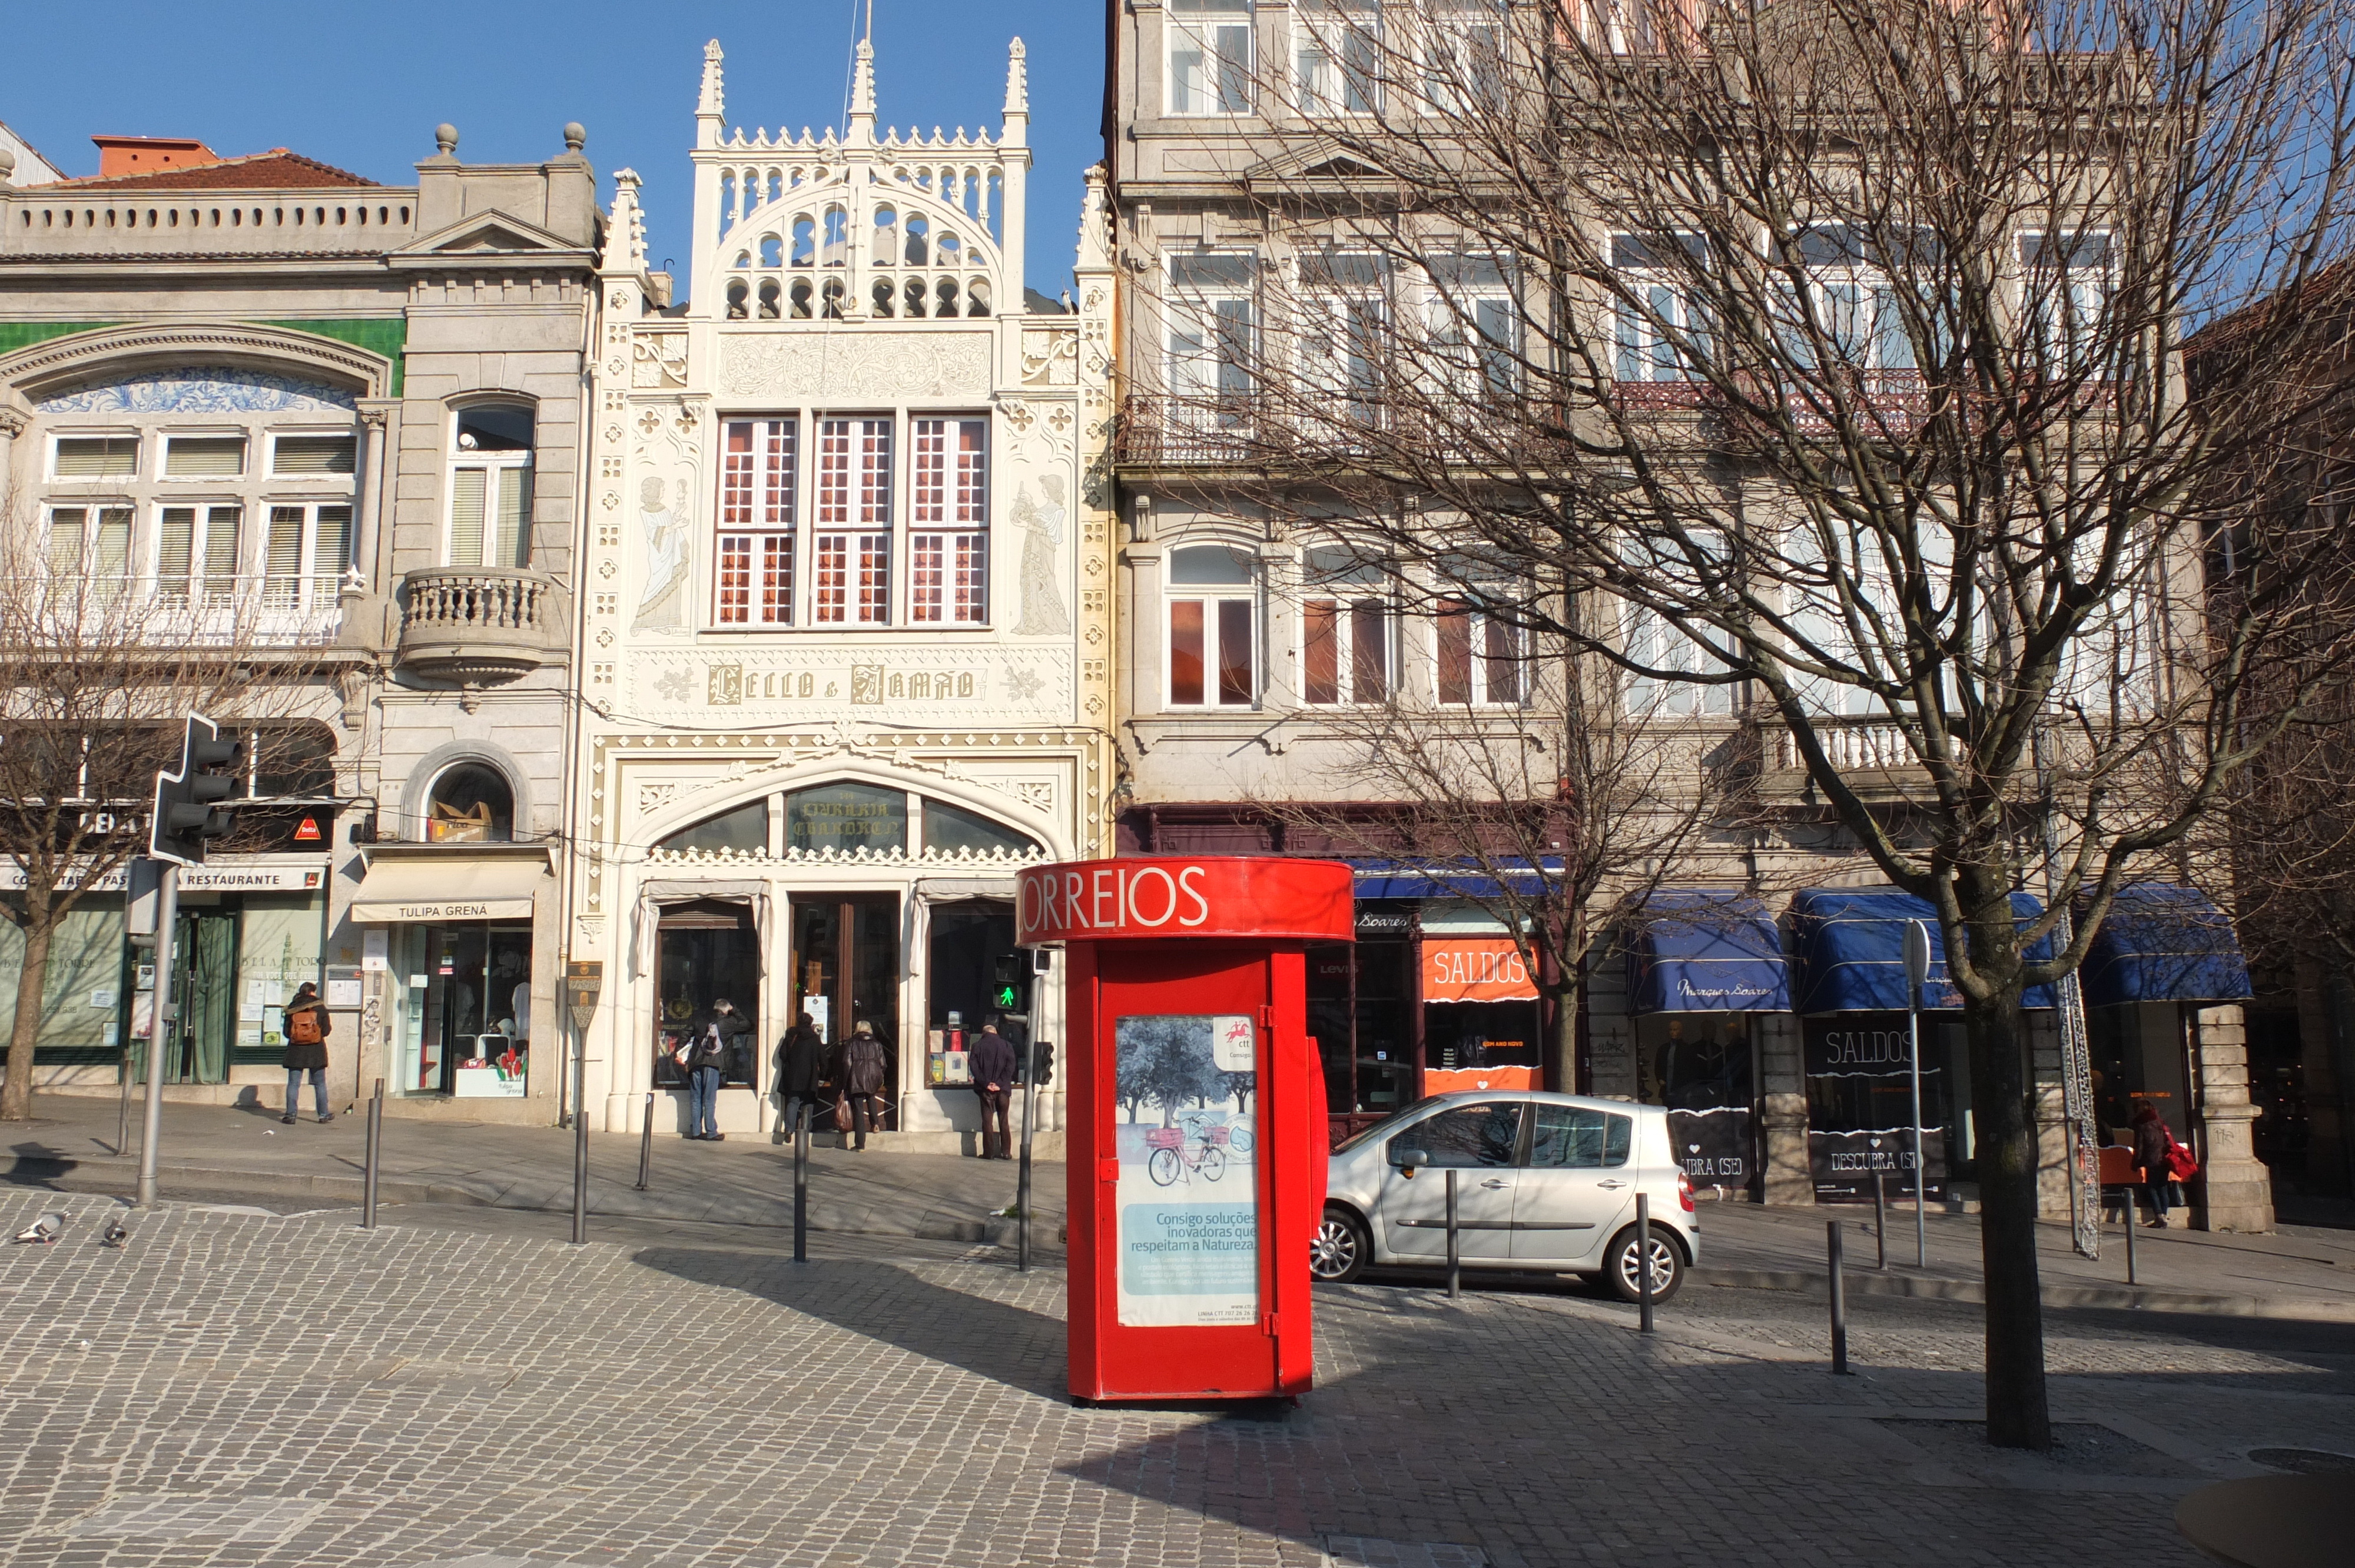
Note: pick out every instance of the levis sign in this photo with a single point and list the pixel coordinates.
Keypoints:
(1186, 895)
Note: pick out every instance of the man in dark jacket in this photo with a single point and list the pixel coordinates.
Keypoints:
(801, 1066)
(864, 1066)
(717, 1045)
(994, 1066)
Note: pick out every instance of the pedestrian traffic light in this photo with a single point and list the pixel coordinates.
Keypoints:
(1009, 989)
(185, 815)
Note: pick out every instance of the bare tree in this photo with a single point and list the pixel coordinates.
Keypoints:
(1838, 343)
(101, 671)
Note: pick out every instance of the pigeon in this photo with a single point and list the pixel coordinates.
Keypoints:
(45, 1229)
(118, 1234)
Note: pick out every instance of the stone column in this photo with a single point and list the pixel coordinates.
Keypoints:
(1790, 1177)
(2235, 1189)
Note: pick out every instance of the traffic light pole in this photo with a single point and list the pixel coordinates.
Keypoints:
(163, 1029)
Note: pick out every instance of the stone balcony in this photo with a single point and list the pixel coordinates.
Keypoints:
(481, 626)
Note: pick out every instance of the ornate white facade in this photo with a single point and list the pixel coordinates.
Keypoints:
(848, 545)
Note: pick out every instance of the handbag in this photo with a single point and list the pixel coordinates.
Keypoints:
(2181, 1163)
(842, 1113)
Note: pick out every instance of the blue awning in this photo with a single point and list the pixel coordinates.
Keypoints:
(1851, 948)
(1692, 950)
(1448, 879)
(2164, 943)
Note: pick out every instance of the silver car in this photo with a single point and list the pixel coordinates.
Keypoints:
(1543, 1183)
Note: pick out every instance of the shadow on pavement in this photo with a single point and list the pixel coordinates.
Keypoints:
(892, 1305)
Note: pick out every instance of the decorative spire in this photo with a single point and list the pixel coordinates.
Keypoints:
(862, 97)
(1095, 227)
(625, 234)
(713, 101)
(1017, 79)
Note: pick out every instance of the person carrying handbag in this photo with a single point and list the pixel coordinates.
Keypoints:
(864, 1066)
(2154, 1146)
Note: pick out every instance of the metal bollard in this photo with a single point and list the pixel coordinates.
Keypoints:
(1880, 1220)
(646, 1147)
(1454, 1260)
(374, 1157)
(801, 1184)
(1643, 1262)
(2131, 1226)
(1840, 1299)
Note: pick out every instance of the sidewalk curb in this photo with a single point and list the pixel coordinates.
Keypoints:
(106, 1177)
(1869, 1282)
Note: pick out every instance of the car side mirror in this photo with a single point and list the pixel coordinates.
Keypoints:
(1410, 1161)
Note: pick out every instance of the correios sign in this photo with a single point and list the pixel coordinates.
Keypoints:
(1185, 895)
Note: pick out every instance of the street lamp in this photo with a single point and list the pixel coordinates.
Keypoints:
(1917, 973)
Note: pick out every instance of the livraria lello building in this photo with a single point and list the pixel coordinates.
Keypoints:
(845, 649)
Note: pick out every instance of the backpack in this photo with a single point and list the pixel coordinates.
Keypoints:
(303, 1026)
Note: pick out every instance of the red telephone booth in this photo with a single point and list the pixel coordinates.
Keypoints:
(1196, 1141)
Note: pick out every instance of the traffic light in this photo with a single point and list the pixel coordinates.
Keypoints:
(1009, 989)
(185, 814)
(1046, 1049)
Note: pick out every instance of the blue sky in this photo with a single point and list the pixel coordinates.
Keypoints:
(362, 86)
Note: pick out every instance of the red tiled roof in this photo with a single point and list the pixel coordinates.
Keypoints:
(276, 170)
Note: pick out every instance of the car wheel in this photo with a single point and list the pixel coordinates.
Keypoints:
(1342, 1247)
(1667, 1266)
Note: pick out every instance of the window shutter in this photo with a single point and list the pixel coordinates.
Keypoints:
(113, 542)
(513, 546)
(220, 547)
(175, 544)
(204, 457)
(286, 541)
(98, 456)
(65, 541)
(331, 551)
(315, 454)
(467, 517)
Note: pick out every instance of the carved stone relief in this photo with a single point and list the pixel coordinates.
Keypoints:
(855, 365)
(659, 360)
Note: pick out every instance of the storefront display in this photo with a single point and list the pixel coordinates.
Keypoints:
(1703, 965)
(1702, 1067)
(462, 1009)
(706, 952)
(1480, 1013)
(1860, 1098)
(969, 938)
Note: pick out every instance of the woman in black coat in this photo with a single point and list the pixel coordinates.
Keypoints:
(307, 1027)
(801, 1068)
(2152, 1143)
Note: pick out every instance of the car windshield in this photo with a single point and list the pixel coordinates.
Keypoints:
(1375, 1129)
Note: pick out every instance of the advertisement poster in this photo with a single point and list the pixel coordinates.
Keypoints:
(1187, 1131)
(1860, 1105)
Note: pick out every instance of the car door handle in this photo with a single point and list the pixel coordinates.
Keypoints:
(1611, 1186)
(1494, 1182)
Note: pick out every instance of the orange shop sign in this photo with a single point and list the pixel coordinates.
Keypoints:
(1476, 969)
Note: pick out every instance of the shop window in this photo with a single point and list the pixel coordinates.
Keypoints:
(472, 804)
(706, 952)
(744, 832)
(952, 830)
(1700, 1066)
(967, 940)
(490, 486)
(846, 819)
(1213, 636)
(463, 1020)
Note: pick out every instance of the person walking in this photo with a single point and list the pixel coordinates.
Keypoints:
(994, 1066)
(864, 1066)
(801, 1067)
(2152, 1143)
(307, 1027)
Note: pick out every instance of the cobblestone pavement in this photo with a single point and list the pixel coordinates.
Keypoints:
(241, 1388)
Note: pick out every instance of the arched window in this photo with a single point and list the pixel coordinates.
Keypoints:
(768, 299)
(745, 831)
(919, 252)
(471, 804)
(739, 298)
(773, 250)
(886, 240)
(490, 486)
(805, 242)
(950, 828)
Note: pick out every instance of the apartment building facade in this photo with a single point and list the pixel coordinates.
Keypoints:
(335, 422)
(1254, 645)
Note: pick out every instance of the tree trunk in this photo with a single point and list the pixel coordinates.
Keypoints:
(2018, 1412)
(32, 980)
(1567, 997)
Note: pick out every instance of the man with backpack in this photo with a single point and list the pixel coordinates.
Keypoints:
(307, 1027)
(707, 1056)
